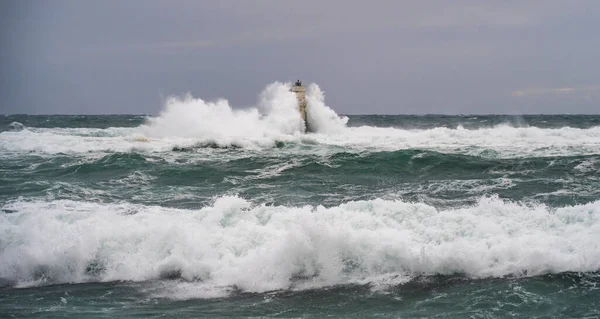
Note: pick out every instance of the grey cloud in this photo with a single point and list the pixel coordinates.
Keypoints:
(370, 57)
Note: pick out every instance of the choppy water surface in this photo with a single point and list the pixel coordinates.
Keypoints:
(207, 211)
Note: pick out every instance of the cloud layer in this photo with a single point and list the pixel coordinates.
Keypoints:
(378, 57)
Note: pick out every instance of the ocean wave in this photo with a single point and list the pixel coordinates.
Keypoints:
(190, 123)
(257, 248)
(16, 126)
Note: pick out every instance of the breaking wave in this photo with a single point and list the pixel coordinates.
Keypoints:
(257, 248)
(16, 126)
(188, 123)
(276, 115)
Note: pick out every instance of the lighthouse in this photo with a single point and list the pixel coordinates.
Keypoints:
(301, 97)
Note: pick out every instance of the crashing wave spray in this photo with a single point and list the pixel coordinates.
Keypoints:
(276, 117)
(317, 116)
(187, 122)
(320, 117)
(218, 122)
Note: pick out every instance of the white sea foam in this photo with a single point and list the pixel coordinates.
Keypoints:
(321, 118)
(16, 126)
(234, 243)
(217, 122)
(188, 122)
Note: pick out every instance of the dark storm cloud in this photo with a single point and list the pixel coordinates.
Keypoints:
(369, 57)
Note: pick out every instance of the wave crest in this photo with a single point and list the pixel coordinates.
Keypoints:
(256, 248)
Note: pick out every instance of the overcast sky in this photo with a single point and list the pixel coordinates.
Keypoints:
(386, 57)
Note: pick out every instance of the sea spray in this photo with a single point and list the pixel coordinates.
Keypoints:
(277, 114)
(321, 118)
(187, 122)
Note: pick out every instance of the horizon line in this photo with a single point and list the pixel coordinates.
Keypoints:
(354, 114)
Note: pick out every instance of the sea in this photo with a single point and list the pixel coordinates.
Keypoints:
(205, 210)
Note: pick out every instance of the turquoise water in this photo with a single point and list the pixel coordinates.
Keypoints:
(385, 216)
